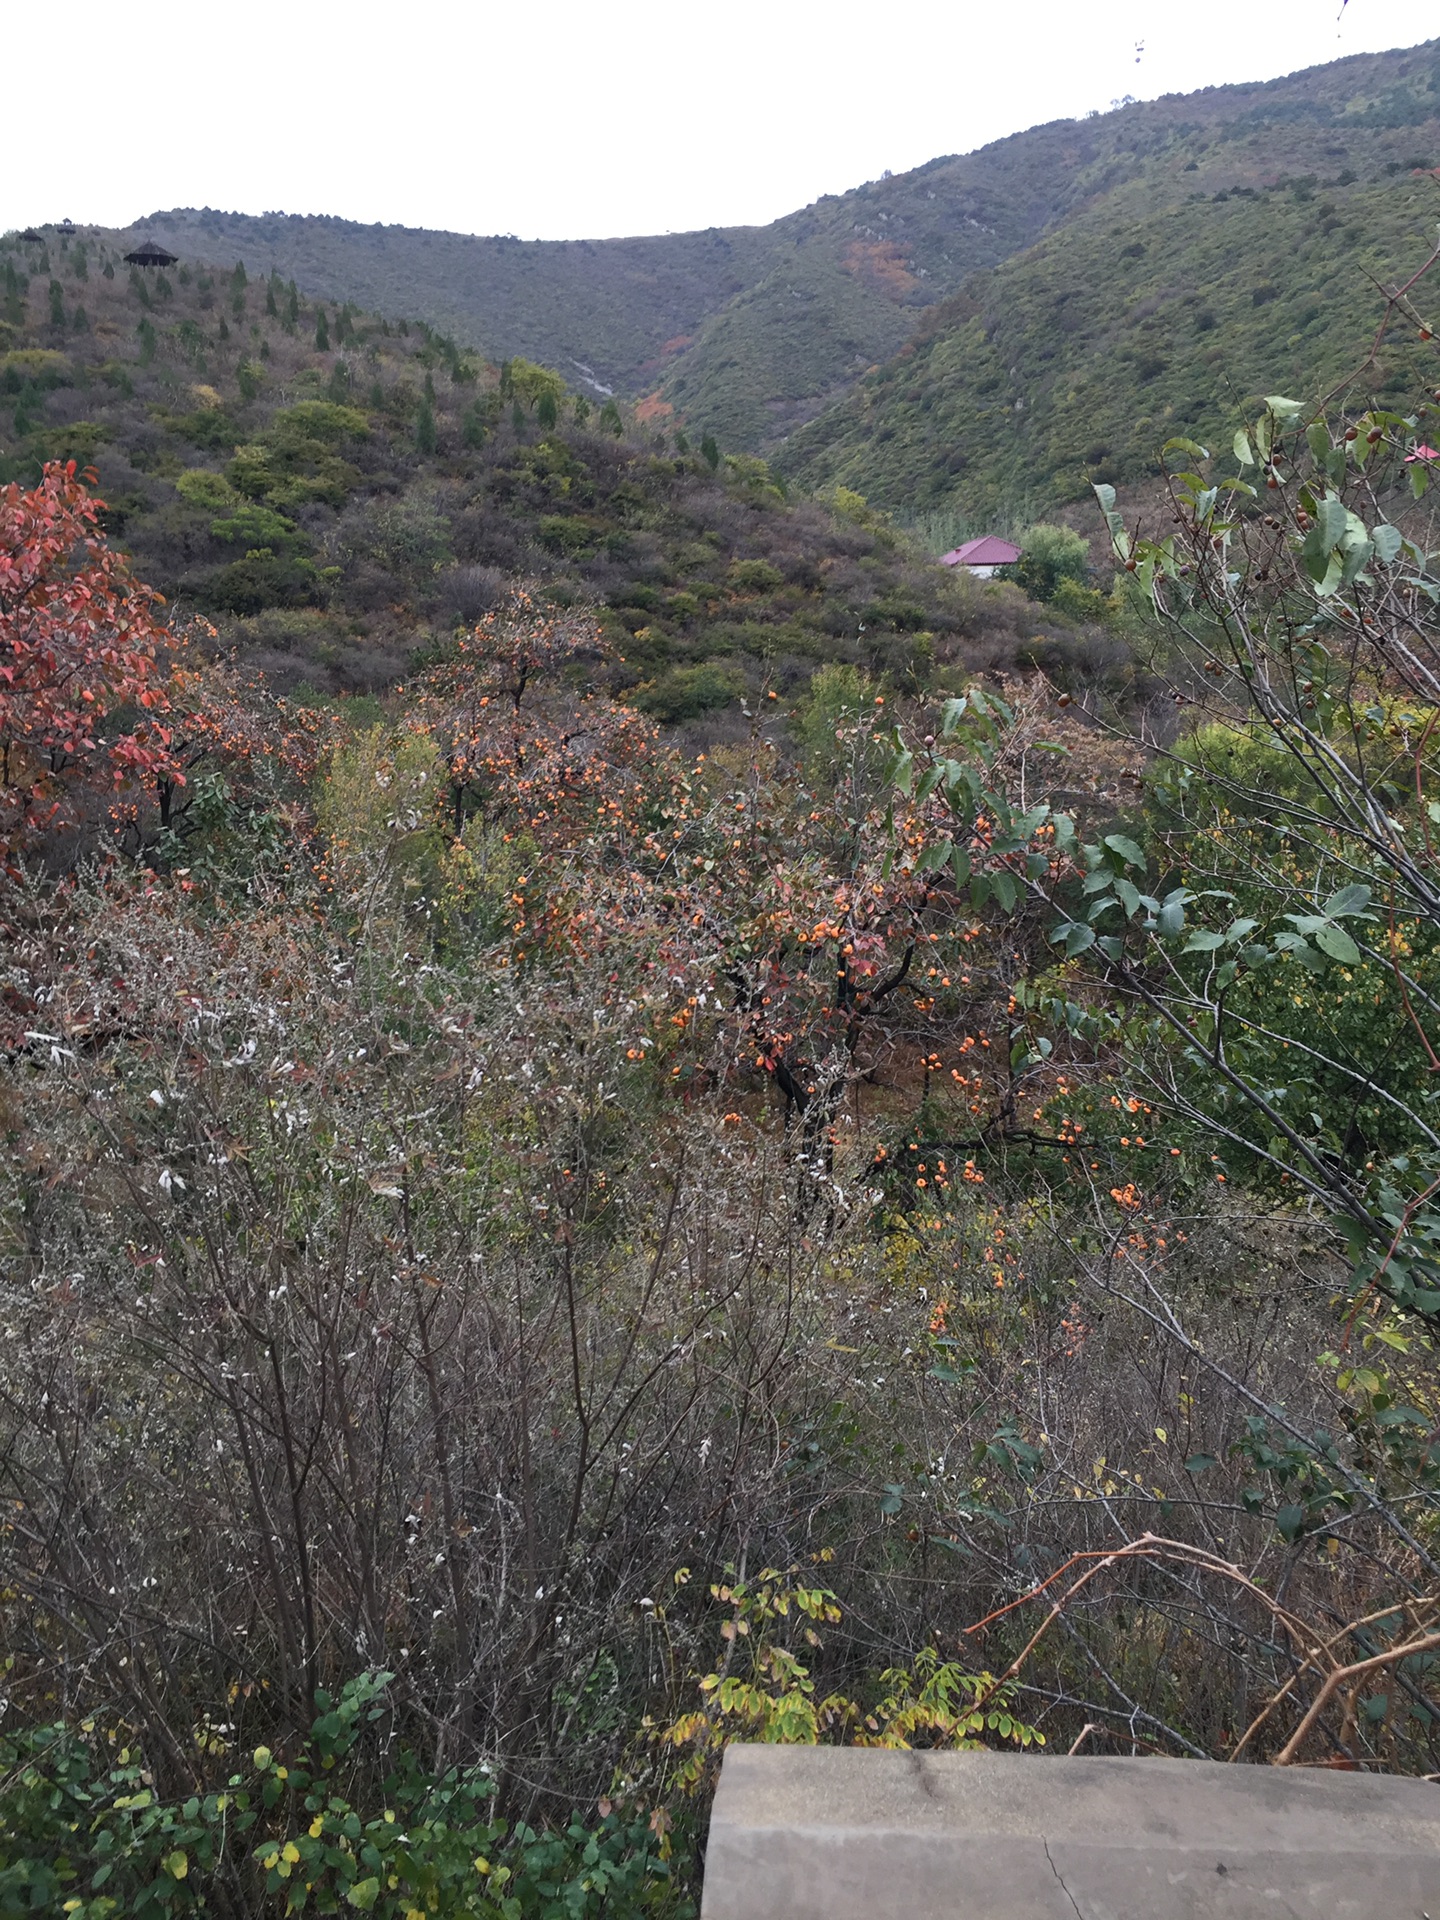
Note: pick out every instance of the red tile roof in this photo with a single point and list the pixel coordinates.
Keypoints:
(987, 551)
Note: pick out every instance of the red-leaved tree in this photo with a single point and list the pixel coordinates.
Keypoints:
(83, 662)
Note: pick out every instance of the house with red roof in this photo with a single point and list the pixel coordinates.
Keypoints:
(982, 557)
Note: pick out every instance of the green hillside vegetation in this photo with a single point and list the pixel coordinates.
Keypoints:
(1073, 363)
(340, 511)
(748, 331)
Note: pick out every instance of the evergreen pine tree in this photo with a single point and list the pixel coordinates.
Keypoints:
(292, 309)
(57, 304)
(610, 421)
(710, 452)
(425, 427)
(322, 331)
(545, 411)
(472, 429)
(270, 306)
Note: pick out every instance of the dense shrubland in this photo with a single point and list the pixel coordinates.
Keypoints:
(531, 1249)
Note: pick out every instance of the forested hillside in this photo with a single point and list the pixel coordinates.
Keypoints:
(747, 332)
(339, 493)
(1075, 361)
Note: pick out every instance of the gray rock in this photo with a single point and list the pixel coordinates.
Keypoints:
(844, 1833)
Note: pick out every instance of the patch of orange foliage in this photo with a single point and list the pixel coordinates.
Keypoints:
(882, 263)
(652, 407)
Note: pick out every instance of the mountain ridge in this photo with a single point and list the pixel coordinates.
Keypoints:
(750, 332)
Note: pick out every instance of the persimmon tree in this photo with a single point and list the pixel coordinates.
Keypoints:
(84, 660)
(1253, 944)
(521, 734)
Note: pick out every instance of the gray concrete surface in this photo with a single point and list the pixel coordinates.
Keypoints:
(845, 1833)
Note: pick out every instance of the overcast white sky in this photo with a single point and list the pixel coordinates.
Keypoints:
(611, 117)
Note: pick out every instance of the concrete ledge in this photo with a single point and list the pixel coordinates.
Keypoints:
(844, 1833)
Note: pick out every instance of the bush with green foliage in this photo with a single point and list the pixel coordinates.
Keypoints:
(684, 693)
(1050, 557)
(84, 1831)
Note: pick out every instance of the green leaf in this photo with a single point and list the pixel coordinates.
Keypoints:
(364, 1894)
(1353, 899)
(1244, 452)
(1076, 937)
(1202, 942)
(1387, 541)
(1357, 556)
(1127, 849)
(1171, 917)
(1337, 943)
(1201, 1463)
(892, 1499)
(1330, 520)
(1290, 1523)
(1287, 412)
